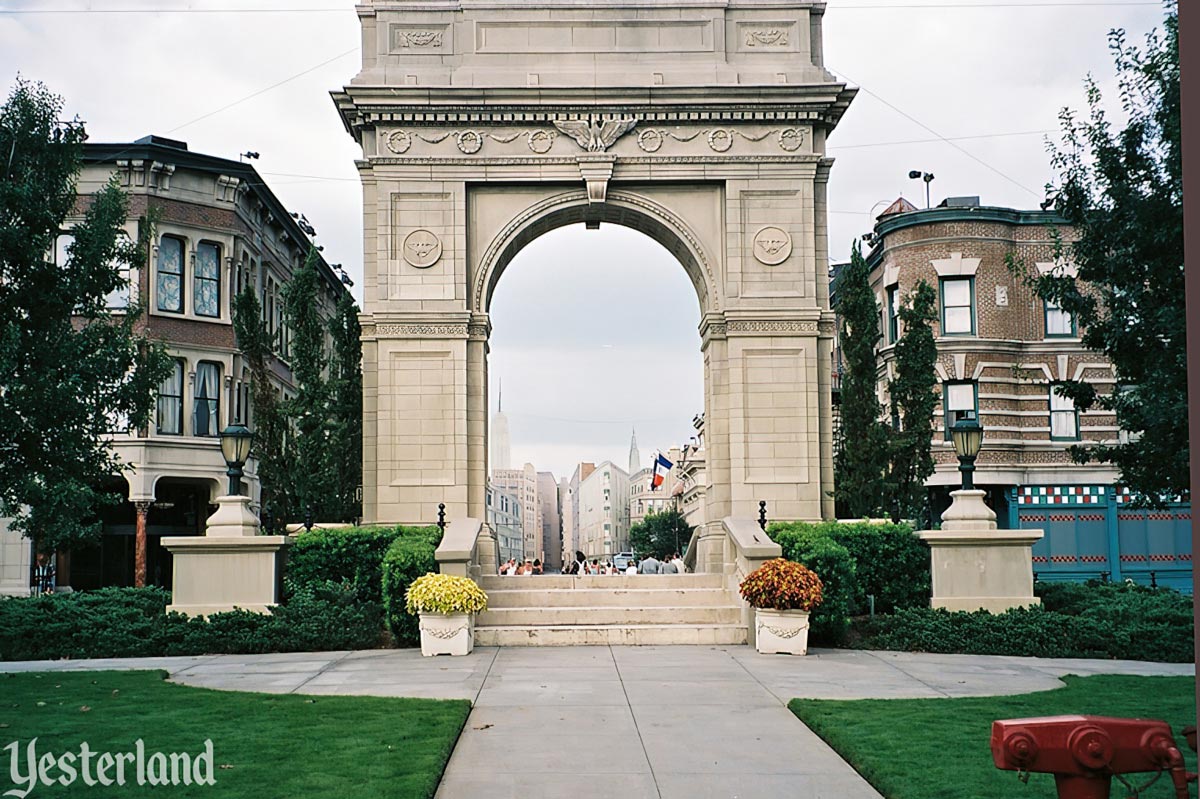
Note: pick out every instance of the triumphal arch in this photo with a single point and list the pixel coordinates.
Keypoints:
(485, 123)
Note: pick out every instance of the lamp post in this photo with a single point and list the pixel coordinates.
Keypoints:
(967, 435)
(235, 448)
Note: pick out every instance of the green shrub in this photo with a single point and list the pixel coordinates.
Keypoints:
(1086, 621)
(833, 564)
(133, 622)
(889, 562)
(351, 555)
(409, 557)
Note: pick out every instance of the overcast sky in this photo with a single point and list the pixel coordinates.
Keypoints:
(589, 353)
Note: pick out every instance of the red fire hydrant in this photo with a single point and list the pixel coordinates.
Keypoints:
(1085, 752)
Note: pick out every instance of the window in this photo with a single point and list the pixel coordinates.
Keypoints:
(893, 313)
(1064, 419)
(1059, 323)
(959, 401)
(61, 244)
(206, 287)
(206, 403)
(170, 402)
(169, 285)
(958, 312)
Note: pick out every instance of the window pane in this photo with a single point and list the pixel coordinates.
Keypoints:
(1058, 403)
(956, 292)
(60, 248)
(960, 397)
(1062, 425)
(208, 280)
(170, 402)
(205, 421)
(1058, 321)
(958, 320)
(170, 275)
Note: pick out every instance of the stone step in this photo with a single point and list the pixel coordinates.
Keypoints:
(608, 598)
(612, 635)
(560, 581)
(602, 616)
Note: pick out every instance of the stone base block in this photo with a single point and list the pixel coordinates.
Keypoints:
(214, 574)
(989, 569)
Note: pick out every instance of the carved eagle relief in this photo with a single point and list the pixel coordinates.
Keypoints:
(595, 135)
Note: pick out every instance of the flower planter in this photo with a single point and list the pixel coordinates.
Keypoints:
(447, 633)
(782, 632)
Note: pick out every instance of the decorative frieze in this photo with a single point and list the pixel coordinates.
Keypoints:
(770, 37)
(772, 326)
(416, 330)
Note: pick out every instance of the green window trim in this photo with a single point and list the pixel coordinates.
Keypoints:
(942, 304)
(1047, 307)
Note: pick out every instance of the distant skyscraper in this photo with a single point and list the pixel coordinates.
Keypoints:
(635, 457)
(501, 454)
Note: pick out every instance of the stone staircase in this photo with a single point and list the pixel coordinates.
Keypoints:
(558, 610)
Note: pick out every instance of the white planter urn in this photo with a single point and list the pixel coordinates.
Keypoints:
(447, 633)
(783, 632)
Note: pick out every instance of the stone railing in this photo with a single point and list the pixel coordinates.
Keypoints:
(735, 547)
(468, 549)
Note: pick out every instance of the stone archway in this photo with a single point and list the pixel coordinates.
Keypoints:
(702, 126)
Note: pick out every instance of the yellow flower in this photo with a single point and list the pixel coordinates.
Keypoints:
(444, 593)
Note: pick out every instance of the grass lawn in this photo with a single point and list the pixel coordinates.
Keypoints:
(264, 745)
(938, 748)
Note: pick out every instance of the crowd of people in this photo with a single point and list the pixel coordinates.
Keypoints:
(647, 565)
(582, 566)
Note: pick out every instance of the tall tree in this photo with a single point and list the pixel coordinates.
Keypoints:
(858, 467)
(308, 410)
(270, 425)
(914, 397)
(345, 412)
(1122, 192)
(69, 366)
(660, 534)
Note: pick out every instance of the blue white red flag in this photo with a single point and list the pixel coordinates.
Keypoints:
(661, 467)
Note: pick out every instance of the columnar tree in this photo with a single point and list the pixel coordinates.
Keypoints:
(270, 424)
(914, 398)
(307, 411)
(1122, 191)
(858, 465)
(71, 369)
(345, 412)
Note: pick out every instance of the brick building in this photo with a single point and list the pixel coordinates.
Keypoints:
(1001, 350)
(218, 229)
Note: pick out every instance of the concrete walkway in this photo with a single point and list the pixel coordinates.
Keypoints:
(633, 722)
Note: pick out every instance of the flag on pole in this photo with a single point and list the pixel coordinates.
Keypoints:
(661, 467)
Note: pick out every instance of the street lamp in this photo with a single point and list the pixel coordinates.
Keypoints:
(968, 438)
(235, 448)
(917, 174)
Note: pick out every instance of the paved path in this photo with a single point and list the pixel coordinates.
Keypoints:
(632, 722)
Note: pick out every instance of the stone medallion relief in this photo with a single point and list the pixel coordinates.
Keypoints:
(422, 248)
(772, 245)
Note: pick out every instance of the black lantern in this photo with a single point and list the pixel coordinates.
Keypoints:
(967, 434)
(235, 447)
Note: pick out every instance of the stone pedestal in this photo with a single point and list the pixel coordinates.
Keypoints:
(230, 566)
(975, 565)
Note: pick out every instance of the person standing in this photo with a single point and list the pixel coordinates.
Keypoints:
(650, 565)
(679, 564)
(668, 567)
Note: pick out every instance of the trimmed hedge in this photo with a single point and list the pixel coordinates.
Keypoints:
(890, 562)
(409, 557)
(1086, 621)
(133, 622)
(831, 561)
(351, 555)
